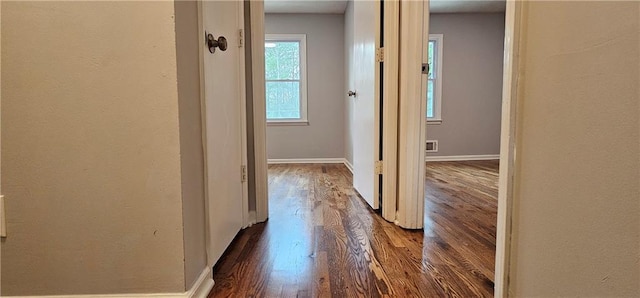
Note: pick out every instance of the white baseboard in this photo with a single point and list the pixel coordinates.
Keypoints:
(202, 286)
(200, 289)
(252, 218)
(304, 160)
(273, 161)
(154, 295)
(348, 165)
(463, 157)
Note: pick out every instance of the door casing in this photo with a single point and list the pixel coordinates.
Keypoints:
(412, 111)
(508, 158)
(256, 8)
(391, 24)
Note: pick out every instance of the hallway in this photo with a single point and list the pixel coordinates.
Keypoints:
(323, 240)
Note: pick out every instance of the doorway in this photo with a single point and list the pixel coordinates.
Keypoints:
(470, 184)
(319, 110)
(507, 133)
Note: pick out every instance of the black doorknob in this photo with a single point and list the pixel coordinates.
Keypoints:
(212, 43)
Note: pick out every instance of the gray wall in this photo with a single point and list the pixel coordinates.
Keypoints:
(471, 83)
(191, 152)
(324, 136)
(576, 229)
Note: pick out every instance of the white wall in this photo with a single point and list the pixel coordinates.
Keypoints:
(471, 83)
(324, 136)
(577, 197)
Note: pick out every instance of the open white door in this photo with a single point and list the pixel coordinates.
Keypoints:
(223, 123)
(362, 80)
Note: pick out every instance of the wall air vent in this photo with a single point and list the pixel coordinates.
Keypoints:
(432, 146)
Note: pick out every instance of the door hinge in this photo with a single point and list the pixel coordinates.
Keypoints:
(378, 167)
(379, 54)
(243, 173)
(241, 38)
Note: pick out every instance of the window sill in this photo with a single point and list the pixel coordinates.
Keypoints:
(288, 123)
(434, 121)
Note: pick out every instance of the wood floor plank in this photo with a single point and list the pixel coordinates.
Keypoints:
(323, 240)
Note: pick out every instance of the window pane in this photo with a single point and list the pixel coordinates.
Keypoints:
(431, 56)
(282, 60)
(430, 96)
(283, 100)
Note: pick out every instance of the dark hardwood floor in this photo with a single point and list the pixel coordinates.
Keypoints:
(322, 240)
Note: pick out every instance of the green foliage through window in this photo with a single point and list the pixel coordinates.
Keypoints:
(431, 78)
(282, 70)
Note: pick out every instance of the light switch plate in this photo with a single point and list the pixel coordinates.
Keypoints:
(3, 219)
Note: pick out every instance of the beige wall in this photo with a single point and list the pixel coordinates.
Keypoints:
(324, 136)
(91, 149)
(1, 137)
(577, 206)
(471, 83)
(191, 150)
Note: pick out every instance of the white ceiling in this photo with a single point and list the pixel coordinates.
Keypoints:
(339, 6)
(466, 6)
(305, 6)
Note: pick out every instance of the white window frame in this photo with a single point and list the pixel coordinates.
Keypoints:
(437, 94)
(302, 39)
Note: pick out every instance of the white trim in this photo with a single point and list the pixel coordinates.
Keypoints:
(287, 123)
(413, 109)
(202, 286)
(272, 161)
(437, 94)
(275, 161)
(256, 11)
(200, 289)
(157, 295)
(302, 40)
(242, 78)
(348, 165)
(463, 157)
(252, 218)
(507, 173)
(390, 85)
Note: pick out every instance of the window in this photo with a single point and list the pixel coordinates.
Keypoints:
(285, 76)
(434, 79)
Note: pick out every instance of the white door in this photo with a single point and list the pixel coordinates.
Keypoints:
(362, 81)
(223, 126)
